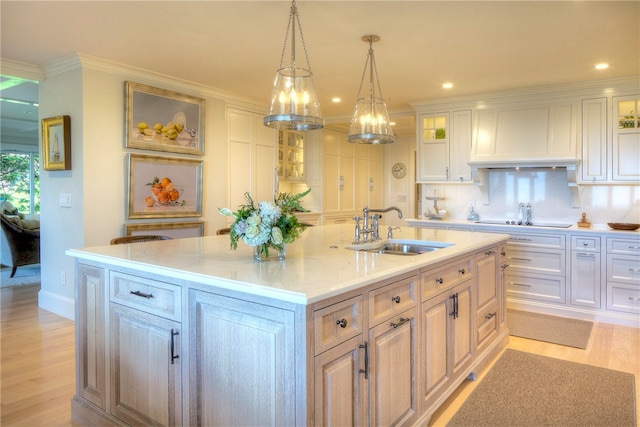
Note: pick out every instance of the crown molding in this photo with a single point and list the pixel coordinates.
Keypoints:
(24, 70)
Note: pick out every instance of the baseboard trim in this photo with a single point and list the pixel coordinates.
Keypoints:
(55, 303)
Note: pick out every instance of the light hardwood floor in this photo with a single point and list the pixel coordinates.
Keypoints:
(38, 374)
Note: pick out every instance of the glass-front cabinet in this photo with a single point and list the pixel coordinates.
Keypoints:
(626, 139)
(433, 147)
(291, 155)
(627, 114)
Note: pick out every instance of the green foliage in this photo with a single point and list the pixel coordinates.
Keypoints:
(15, 175)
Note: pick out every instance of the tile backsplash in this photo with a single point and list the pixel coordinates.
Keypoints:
(547, 191)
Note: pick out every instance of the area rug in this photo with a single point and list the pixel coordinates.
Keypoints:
(524, 389)
(553, 329)
(27, 275)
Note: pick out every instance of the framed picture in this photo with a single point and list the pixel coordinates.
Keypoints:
(56, 143)
(162, 120)
(175, 230)
(164, 187)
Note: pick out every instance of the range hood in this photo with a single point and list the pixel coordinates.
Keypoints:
(480, 173)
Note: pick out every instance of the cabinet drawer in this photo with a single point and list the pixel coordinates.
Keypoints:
(536, 286)
(623, 246)
(585, 243)
(433, 281)
(161, 299)
(337, 323)
(623, 268)
(392, 299)
(537, 261)
(537, 240)
(487, 327)
(623, 298)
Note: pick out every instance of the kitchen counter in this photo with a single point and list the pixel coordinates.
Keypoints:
(595, 228)
(217, 338)
(317, 266)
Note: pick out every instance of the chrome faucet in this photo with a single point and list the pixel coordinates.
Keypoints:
(370, 233)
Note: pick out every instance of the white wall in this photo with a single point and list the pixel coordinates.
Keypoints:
(92, 93)
(400, 192)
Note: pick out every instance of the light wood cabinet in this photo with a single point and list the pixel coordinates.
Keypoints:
(227, 334)
(488, 315)
(252, 149)
(91, 297)
(146, 368)
(446, 325)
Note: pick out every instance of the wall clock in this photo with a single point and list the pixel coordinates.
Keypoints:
(399, 170)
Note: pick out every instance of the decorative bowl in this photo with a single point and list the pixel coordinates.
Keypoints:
(623, 226)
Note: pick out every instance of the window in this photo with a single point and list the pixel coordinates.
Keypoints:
(20, 181)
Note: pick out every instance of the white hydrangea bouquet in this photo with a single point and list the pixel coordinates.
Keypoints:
(269, 225)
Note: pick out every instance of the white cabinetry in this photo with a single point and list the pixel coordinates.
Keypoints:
(525, 132)
(537, 267)
(338, 173)
(626, 139)
(594, 139)
(369, 186)
(444, 144)
(252, 150)
(585, 271)
(623, 275)
(291, 154)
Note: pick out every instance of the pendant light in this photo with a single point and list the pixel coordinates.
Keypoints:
(370, 123)
(294, 103)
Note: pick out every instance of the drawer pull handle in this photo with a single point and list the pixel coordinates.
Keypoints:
(174, 356)
(141, 294)
(490, 315)
(520, 259)
(440, 280)
(503, 253)
(520, 239)
(585, 243)
(342, 323)
(634, 247)
(400, 322)
(365, 371)
(583, 255)
(634, 270)
(462, 271)
(396, 299)
(634, 299)
(504, 266)
(518, 284)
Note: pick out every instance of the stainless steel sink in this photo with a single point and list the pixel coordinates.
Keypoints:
(535, 224)
(400, 247)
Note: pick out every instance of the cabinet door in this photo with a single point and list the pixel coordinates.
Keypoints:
(91, 366)
(433, 147)
(347, 176)
(585, 279)
(435, 332)
(486, 279)
(341, 389)
(459, 170)
(393, 370)
(146, 369)
(594, 139)
(626, 139)
(253, 380)
(461, 329)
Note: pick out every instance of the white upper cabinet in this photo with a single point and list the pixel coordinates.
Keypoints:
(626, 139)
(525, 132)
(444, 143)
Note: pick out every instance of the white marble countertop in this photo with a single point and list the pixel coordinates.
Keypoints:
(317, 266)
(508, 228)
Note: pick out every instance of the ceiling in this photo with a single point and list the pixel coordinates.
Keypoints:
(235, 46)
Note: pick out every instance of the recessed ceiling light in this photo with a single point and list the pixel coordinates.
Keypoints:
(447, 85)
(336, 100)
(602, 66)
(392, 123)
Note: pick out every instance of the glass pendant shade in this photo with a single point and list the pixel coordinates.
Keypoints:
(294, 103)
(370, 123)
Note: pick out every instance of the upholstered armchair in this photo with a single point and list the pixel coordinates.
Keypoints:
(19, 242)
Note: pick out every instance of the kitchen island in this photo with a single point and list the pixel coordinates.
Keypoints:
(188, 332)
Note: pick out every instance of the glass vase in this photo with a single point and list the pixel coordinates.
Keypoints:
(267, 252)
